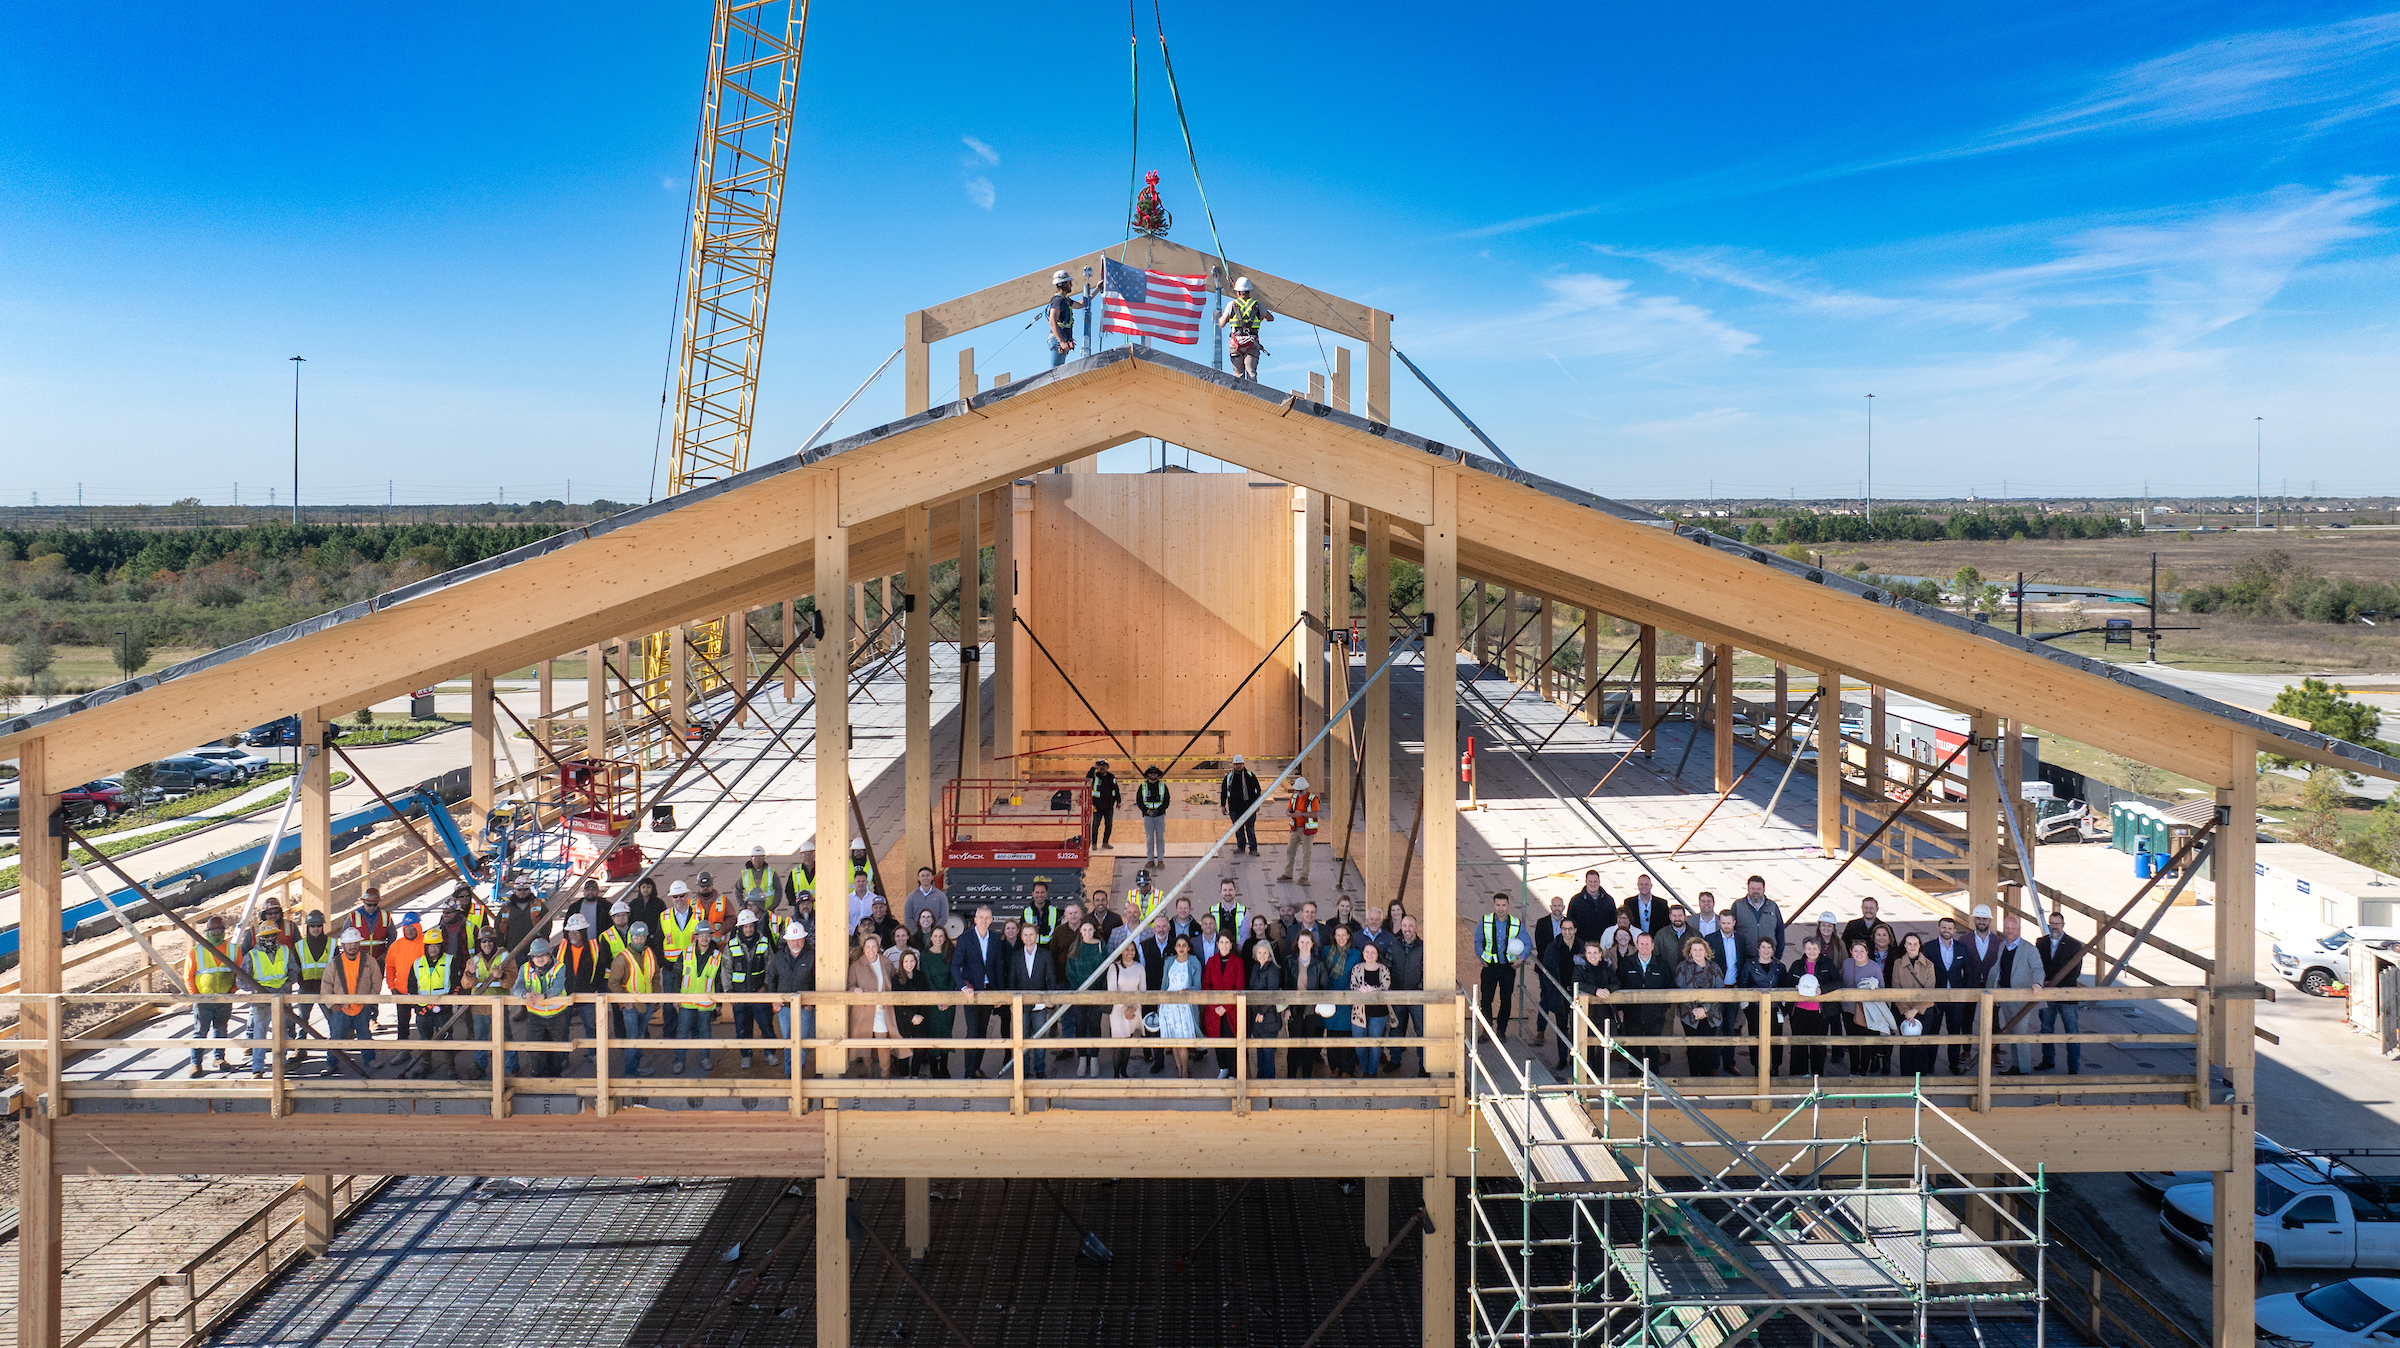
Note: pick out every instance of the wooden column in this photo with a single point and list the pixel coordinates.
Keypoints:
(1021, 656)
(679, 678)
(833, 1254)
(916, 365)
(1308, 513)
(1440, 766)
(916, 1217)
(316, 813)
(549, 702)
(1545, 683)
(1829, 761)
(737, 662)
(1316, 386)
(829, 667)
(1878, 775)
(1506, 635)
(970, 634)
(316, 1214)
(1648, 656)
(1378, 1225)
(966, 373)
(595, 701)
(40, 1204)
(1375, 833)
(885, 608)
(1722, 693)
(791, 667)
(1480, 622)
(1783, 704)
(916, 543)
(2235, 1283)
(1983, 816)
(482, 786)
(633, 667)
(1379, 367)
(1340, 745)
(1341, 379)
(1438, 1285)
(1593, 700)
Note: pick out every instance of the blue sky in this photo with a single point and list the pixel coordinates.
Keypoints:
(2072, 251)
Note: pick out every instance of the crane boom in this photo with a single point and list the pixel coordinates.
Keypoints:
(737, 207)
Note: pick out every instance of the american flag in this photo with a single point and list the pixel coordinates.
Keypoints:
(1152, 303)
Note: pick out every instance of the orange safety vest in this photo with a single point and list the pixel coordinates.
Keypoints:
(1305, 808)
(346, 970)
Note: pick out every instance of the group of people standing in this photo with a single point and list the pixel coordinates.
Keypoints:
(1590, 945)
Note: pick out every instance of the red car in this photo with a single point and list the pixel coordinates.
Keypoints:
(97, 800)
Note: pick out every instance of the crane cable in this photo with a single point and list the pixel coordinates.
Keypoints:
(1225, 269)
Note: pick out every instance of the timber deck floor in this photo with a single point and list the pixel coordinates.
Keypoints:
(122, 1231)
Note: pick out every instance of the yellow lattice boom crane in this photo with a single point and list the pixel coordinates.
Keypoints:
(737, 206)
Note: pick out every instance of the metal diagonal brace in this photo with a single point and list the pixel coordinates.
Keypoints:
(1019, 620)
(1597, 685)
(1736, 783)
(1416, 1219)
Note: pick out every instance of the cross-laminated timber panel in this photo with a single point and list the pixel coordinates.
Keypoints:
(1158, 593)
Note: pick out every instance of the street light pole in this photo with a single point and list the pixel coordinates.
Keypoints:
(2258, 512)
(296, 360)
(1870, 467)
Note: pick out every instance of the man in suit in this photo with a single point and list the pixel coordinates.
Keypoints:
(1953, 968)
(1979, 947)
(981, 969)
(1029, 969)
(1648, 911)
(1648, 969)
(1592, 910)
(2015, 964)
(2062, 967)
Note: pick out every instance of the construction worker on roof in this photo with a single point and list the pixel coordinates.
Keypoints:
(1152, 798)
(860, 865)
(712, 905)
(678, 922)
(1061, 308)
(804, 875)
(1306, 811)
(1245, 315)
(1145, 893)
(208, 970)
(620, 921)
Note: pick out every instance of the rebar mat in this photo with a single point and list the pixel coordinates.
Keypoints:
(590, 1263)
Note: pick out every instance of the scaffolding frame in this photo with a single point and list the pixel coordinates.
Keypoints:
(1605, 1229)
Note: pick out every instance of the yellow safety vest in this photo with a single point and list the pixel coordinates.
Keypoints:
(265, 977)
(738, 947)
(484, 971)
(434, 976)
(676, 933)
(644, 973)
(701, 976)
(1498, 931)
(616, 943)
(312, 963)
(759, 882)
(215, 973)
(539, 987)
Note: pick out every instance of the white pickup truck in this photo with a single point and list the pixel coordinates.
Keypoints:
(2316, 966)
(2305, 1220)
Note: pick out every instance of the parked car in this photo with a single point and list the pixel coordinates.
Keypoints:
(96, 800)
(8, 813)
(2315, 966)
(184, 774)
(284, 731)
(2304, 1219)
(244, 763)
(2352, 1313)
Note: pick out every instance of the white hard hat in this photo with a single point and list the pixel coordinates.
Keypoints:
(749, 917)
(1981, 910)
(350, 936)
(1808, 985)
(677, 888)
(1060, 277)
(575, 922)
(1241, 285)
(758, 851)
(1237, 758)
(620, 906)
(1868, 981)
(1299, 783)
(1911, 1026)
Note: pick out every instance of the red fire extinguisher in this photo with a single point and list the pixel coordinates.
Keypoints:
(1466, 773)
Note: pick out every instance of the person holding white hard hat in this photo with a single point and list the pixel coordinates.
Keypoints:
(1245, 316)
(1499, 944)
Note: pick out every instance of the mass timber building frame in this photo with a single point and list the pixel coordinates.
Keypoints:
(943, 479)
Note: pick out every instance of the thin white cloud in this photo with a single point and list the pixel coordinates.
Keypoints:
(1592, 315)
(981, 192)
(984, 154)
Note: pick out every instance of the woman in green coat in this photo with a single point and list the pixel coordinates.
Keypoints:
(1083, 1022)
(939, 977)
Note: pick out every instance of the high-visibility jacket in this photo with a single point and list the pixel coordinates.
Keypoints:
(1147, 899)
(1043, 918)
(1248, 314)
(207, 971)
(675, 933)
(1498, 933)
(349, 973)
(700, 975)
(746, 963)
(313, 961)
(1238, 928)
(614, 939)
(489, 975)
(641, 974)
(1306, 806)
(270, 974)
(432, 977)
(404, 955)
(717, 908)
(759, 882)
(1152, 798)
(541, 985)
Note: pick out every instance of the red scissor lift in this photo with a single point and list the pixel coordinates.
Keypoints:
(999, 835)
(600, 798)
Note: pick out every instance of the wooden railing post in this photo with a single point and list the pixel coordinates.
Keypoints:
(1241, 1053)
(1983, 1054)
(1016, 1052)
(1766, 1059)
(499, 1059)
(2202, 1005)
(601, 1104)
(275, 1014)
